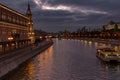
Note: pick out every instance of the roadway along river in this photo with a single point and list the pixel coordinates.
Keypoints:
(68, 60)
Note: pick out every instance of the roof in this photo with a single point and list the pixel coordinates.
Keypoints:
(11, 10)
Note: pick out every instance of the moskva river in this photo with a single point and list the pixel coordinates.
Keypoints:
(68, 60)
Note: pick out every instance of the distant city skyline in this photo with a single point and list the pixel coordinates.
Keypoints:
(56, 15)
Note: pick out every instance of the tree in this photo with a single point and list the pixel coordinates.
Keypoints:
(111, 22)
(104, 29)
(116, 28)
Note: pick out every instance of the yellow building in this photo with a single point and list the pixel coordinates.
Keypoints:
(112, 25)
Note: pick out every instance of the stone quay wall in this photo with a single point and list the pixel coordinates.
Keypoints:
(10, 61)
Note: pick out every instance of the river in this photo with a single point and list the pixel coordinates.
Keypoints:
(68, 60)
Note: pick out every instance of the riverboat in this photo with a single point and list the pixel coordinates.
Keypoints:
(108, 54)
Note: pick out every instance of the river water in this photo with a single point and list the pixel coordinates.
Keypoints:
(68, 60)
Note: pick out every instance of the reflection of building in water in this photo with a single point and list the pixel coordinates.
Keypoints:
(96, 44)
(109, 66)
(90, 43)
(45, 63)
(30, 69)
(24, 72)
(85, 42)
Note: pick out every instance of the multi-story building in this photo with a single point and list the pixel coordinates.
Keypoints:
(112, 25)
(15, 28)
(111, 30)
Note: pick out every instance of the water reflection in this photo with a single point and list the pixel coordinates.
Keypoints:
(69, 60)
(85, 42)
(116, 47)
(30, 70)
(96, 44)
(45, 64)
(90, 43)
(110, 66)
(25, 73)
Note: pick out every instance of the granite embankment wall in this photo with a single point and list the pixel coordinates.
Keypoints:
(11, 61)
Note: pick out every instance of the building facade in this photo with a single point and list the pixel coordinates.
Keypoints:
(15, 28)
(12, 24)
(31, 33)
(112, 25)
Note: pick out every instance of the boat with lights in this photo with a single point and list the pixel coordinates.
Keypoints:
(108, 54)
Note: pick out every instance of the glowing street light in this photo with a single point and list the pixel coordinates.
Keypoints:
(10, 38)
(40, 37)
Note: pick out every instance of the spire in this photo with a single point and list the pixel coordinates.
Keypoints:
(29, 5)
(30, 24)
(66, 29)
(28, 13)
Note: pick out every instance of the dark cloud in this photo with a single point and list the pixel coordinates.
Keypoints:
(56, 15)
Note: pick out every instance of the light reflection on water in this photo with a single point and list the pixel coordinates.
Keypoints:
(45, 64)
(69, 60)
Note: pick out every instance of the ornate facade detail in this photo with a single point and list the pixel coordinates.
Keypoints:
(12, 23)
(31, 33)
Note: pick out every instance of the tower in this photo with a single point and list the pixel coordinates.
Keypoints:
(31, 34)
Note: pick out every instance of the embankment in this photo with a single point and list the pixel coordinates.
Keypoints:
(12, 60)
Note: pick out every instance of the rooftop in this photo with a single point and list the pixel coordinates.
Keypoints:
(11, 10)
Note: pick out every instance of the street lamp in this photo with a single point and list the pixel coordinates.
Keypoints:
(40, 37)
(10, 39)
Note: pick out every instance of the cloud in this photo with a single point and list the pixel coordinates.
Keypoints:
(59, 7)
(46, 6)
(52, 15)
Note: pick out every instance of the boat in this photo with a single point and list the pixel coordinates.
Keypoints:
(108, 54)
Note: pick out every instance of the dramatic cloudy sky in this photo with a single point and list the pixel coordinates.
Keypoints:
(56, 15)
